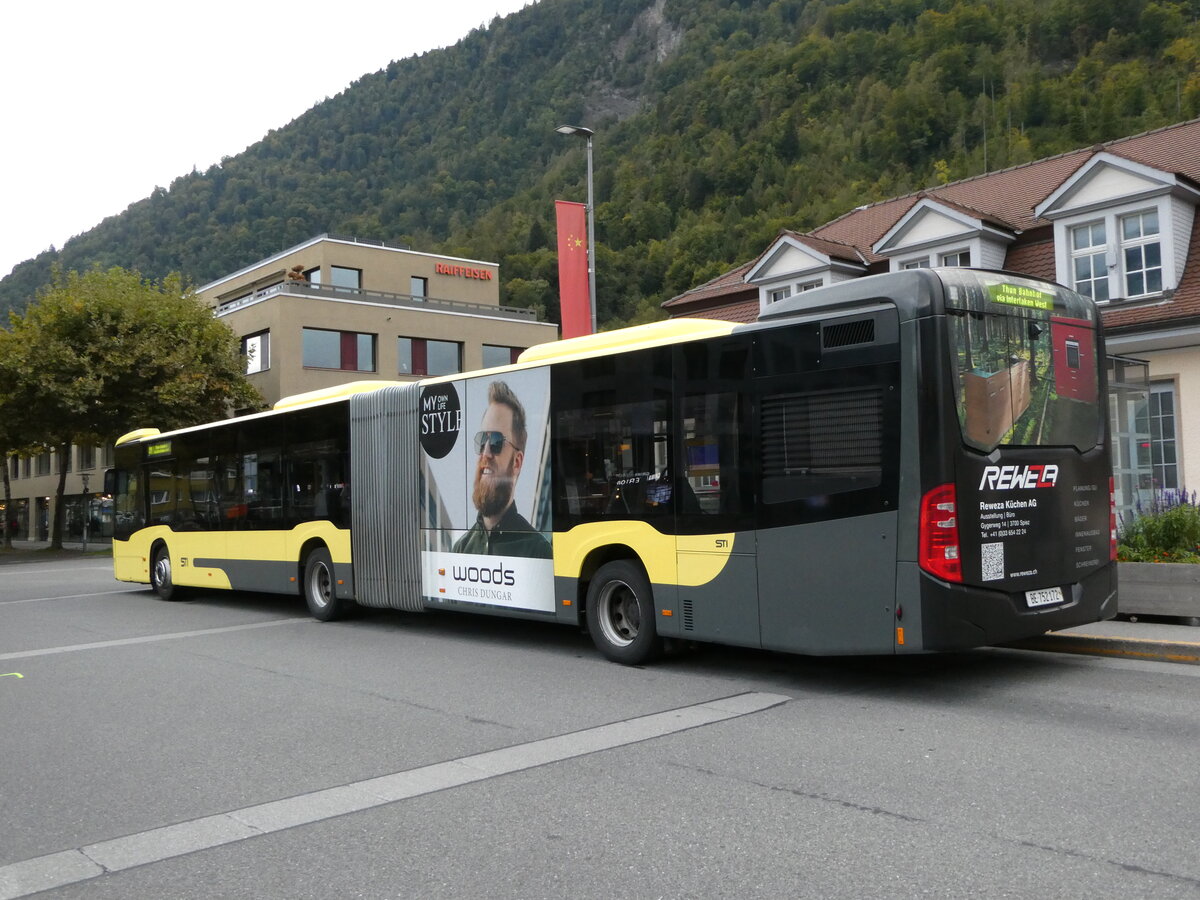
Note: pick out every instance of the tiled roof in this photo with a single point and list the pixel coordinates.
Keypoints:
(743, 311)
(832, 248)
(728, 285)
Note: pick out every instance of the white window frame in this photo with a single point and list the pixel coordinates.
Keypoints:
(944, 259)
(1099, 284)
(915, 262)
(1113, 218)
(1162, 444)
(774, 295)
(1140, 242)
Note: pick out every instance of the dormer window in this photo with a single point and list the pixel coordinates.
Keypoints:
(778, 294)
(1121, 228)
(959, 258)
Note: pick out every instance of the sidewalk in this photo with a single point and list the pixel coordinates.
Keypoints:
(1163, 640)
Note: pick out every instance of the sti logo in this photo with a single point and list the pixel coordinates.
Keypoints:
(1008, 478)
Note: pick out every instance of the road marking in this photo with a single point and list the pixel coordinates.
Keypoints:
(6, 674)
(75, 596)
(56, 870)
(152, 638)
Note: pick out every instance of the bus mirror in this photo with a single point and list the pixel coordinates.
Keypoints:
(1035, 330)
(110, 482)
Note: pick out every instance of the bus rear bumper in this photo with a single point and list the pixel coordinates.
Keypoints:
(956, 617)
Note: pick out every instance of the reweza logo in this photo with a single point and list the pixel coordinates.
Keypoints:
(1007, 478)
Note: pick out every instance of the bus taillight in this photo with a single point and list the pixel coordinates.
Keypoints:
(938, 534)
(1112, 518)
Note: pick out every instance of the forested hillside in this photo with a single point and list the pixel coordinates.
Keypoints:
(718, 122)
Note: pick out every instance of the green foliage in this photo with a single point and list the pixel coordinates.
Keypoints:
(717, 123)
(1167, 531)
(98, 354)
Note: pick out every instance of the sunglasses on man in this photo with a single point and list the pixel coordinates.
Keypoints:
(494, 441)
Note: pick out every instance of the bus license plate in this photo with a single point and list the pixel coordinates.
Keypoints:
(1044, 597)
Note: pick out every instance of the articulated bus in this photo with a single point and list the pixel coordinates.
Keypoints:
(902, 463)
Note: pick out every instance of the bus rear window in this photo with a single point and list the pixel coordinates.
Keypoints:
(1024, 362)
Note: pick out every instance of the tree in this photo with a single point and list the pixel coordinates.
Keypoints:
(98, 354)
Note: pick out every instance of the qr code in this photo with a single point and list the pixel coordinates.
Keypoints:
(993, 561)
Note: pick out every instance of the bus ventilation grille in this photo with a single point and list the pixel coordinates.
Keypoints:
(688, 621)
(844, 334)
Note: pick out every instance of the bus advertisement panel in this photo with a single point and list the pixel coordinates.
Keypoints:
(485, 516)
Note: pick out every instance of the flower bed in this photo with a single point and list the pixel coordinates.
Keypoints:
(1158, 550)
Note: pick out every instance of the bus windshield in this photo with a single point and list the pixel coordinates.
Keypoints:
(1024, 362)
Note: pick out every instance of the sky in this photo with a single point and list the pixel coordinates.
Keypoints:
(104, 101)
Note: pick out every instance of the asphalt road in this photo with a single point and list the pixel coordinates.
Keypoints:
(231, 747)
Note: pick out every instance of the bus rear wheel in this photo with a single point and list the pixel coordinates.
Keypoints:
(620, 613)
(320, 593)
(160, 575)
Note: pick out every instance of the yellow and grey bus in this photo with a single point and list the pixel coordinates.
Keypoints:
(902, 463)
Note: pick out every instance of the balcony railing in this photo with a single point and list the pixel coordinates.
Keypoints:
(383, 298)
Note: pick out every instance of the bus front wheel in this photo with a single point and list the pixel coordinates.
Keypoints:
(160, 575)
(319, 591)
(620, 613)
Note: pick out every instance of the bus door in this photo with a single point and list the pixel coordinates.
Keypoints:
(827, 420)
(715, 550)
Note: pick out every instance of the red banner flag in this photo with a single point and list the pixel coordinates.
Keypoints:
(573, 298)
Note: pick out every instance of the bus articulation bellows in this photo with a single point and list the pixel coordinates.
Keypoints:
(903, 463)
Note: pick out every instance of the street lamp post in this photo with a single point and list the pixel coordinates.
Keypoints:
(587, 134)
(86, 511)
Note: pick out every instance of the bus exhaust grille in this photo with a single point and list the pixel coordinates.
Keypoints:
(385, 532)
(844, 334)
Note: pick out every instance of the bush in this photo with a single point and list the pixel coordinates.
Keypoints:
(1167, 531)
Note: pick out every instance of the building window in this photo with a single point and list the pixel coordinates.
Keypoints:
(811, 286)
(14, 467)
(779, 294)
(87, 457)
(922, 263)
(346, 350)
(1089, 269)
(43, 463)
(1159, 423)
(422, 356)
(341, 277)
(418, 287)
(959, 259)
(1142, 253)
(494, 355)
(26, 467)
(313, 276)
(256, 349)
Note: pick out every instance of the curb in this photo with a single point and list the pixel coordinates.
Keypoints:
(1185, 652)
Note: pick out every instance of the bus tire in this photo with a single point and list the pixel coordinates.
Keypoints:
(320, 593)
(620, 613)
(160, 575)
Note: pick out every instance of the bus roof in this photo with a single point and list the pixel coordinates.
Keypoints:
(671, 331)
(295, 401)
